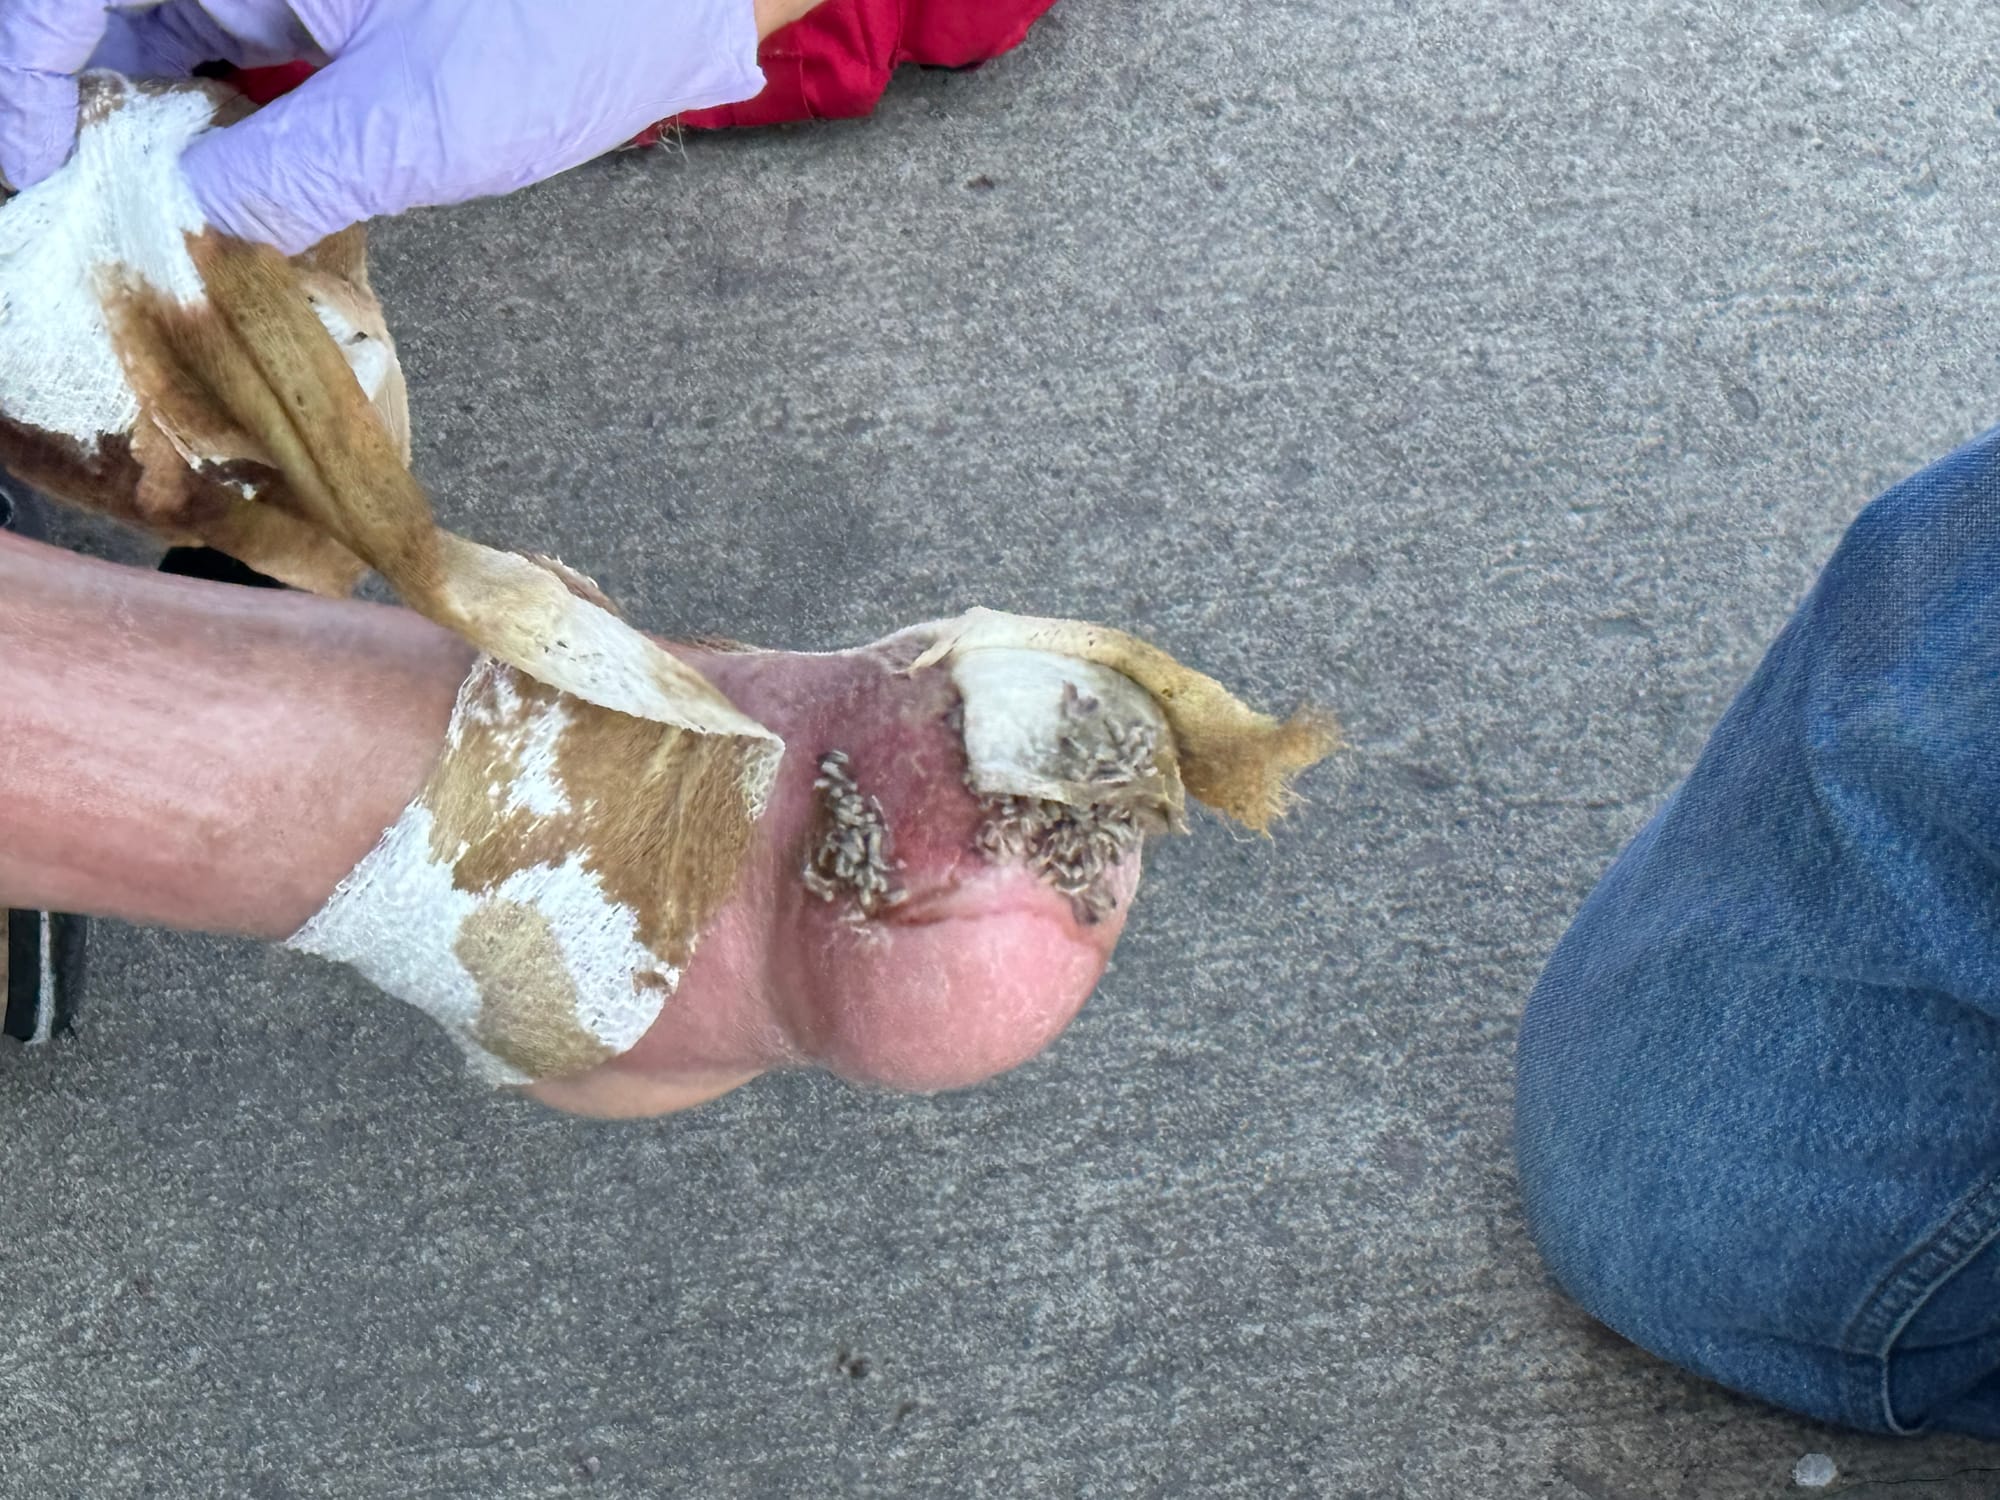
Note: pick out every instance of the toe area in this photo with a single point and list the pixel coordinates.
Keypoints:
(958, 989)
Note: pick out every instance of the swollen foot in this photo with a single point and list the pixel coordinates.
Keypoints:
(939, 866)
(894, 922)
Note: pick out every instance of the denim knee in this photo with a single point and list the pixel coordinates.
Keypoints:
(1755, 1115)
(1708, 1171)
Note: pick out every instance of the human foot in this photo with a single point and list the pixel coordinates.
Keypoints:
(935, 872)
(890, 923)
(222, 759)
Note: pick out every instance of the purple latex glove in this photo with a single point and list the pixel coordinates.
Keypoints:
(421, 101)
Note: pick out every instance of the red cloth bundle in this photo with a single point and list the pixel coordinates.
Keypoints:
(831, 65)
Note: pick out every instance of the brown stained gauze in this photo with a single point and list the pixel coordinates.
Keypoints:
(673, 866)
(190, 470)
(1075, 849)
(272, 423)
(852, 858)
(1230, 757)
(527, 1000)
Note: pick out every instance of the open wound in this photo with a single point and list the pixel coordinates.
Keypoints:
(851, 858)
(1073, 764)
(1075, 847)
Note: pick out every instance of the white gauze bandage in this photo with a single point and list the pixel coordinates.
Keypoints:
(543, 893)
(117, 222)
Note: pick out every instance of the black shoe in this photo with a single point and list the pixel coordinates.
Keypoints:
(41, 953)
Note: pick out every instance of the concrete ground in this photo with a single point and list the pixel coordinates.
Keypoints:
(1498, 373)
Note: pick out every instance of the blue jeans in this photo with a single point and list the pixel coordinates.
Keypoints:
(1758, 1103)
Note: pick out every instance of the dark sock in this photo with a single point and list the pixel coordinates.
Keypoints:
(216, 567)
(41, 973)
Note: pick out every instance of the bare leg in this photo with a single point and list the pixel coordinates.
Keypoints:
(199, 756)
(196, 756)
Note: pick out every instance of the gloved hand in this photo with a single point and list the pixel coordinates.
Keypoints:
(421, 101)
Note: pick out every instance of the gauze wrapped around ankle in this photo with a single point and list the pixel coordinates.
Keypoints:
(542, 894)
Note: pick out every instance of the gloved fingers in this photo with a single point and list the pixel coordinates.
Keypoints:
(308, 164)
(172, 40)
(42, 45)
(365, 137)
(162, 41)
(412, 114)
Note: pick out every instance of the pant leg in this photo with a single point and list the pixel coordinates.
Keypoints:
(1758, 1102)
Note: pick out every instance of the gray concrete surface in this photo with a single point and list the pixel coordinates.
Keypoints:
(1499, 373)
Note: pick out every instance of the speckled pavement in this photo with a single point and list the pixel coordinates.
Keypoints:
(1497, 373)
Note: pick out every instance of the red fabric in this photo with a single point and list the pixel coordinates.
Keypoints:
(835, 61)
(831, 64)
(265, 84)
